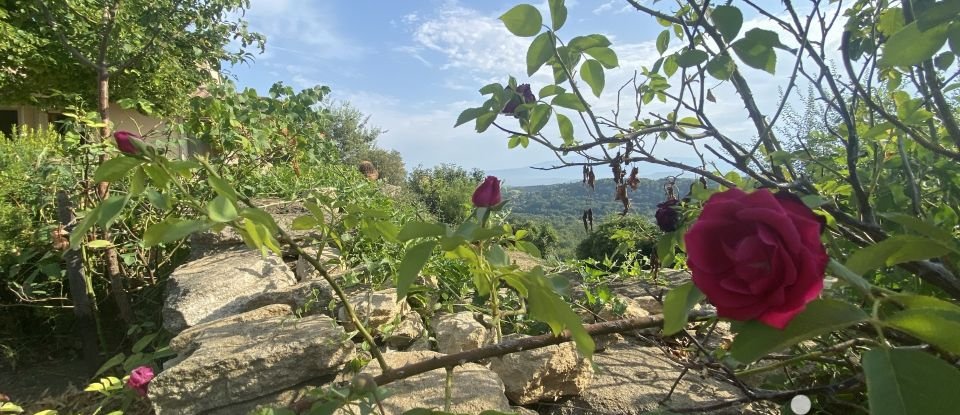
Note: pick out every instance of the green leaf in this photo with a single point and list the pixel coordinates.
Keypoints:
(305, 222)
(159, 200)
(606, 56)
(99, 244)
(468, 115)
(547, 306)
(109, 209)
(80, 231)
(911, 301)
(539, 117)
(937, 14)
(115, 168)
(909, 46)
(540, 51)
(895, 250)
(514, 141)
(677, 305)
(497, 256)
(550, 90)
(143, 342)
(260, 217)
(728, 21)
(756, 49)
(582, 43)
(485, 120)
(691, 57)
(529, 247)
(849, 276)
(523, 20)
(721, 67)
(138, 182)
(171, 229)
(114, 361)
(221, 209)
(670, 65)
(592, 73)
(222, 188)
(755, 339)
(413, 261)
(558, 14)
(663, 40)
(566, 129)
(414, 230)
(569, 100)
(940, 328)
(908, 382)
(913, 224)
(11, 408)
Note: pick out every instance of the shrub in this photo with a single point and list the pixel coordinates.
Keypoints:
(618, 237)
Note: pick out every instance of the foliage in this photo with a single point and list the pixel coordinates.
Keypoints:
(619, 236)
(149, 54)
(389, 164)
(445, 190)
(542, 235)
(879, 161)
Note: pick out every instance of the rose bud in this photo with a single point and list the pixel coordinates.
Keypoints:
(757, 256)
(139, 379)
(125, 141)
(488, 194)
(668, 218)
(525, 96)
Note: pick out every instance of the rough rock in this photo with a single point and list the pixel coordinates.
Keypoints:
(248, 356)
(373, 308)
(631, 380)
(283, 213)
(459, 332)
(475, 388)
(329, 256)
(281, 399)
(406, 332)
(317, 293)
(650, 304)
(220, 285)
(543, 374)
(632, 309)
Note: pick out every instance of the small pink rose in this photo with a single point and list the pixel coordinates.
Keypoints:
(488, 194)
(139, 379)
(125, 141)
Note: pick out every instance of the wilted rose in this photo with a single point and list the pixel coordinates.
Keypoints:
(139, 379)
(757, 255)
(668, 218)
(125, 141)
(488, 193)
(525, 97)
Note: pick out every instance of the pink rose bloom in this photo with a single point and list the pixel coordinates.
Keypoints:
(125, 141)
(757, 255)
(488, 194)
(140, 378)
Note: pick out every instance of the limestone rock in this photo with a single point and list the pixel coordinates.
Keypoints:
(630, 380)
(219, 285)
(373, 308)
(406, 332)
(281, 399)
(459, 332)
(542, 374)
(317, 293)
(283, 213)
(248, 356)
(650, 304)
(475, 388)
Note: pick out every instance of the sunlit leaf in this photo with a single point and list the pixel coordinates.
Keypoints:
(523, 20)
(909, 381)
(592, 73)
(413, 261)
(677, 305)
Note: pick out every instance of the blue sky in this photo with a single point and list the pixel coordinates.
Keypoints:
(414, 65)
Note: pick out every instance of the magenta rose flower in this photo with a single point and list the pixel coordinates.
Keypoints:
(757, 255)
(125, 141)
(139, 379)
(488, 193)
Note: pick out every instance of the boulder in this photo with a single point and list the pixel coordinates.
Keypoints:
(373, 308)
(282, 399)
(283, 213)
(220, 285)
(459, 332)
(547, 373)
(406, 332)
(631, 380)
(475, 388)
(246, 357)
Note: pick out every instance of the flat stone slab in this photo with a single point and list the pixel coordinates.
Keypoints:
(543, 374)
(220, 285)
(248, 356)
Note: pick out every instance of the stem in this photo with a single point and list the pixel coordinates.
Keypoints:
(448, 389)
(839, 347)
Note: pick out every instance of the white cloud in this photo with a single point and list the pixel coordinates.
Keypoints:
(302, 22)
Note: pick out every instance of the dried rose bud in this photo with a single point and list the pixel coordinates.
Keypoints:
(668, 218)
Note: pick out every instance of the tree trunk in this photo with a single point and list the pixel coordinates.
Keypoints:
(82, 307)
(117, 288)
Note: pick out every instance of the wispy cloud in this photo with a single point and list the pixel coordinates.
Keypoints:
(308, 24)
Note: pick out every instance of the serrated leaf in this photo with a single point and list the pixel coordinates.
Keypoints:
(171, 229)
(606, 56)
(558, 14)
(582, 43)
(485, 120)
(138, 182)
(523, 20)
(670, 65)
(468, 115)
(566, 129)
(663, 40)
(690, 58)
(221, 210)
(539, 117)
(721, 67)
(755, 339)
(413, 261)
(540, 51)
(592, 73)
(550, 90)
(115, 168)
(569, 100)
(728, 20)
(909, 46)
(677, 305)
(529, 248)
(908, 382)
(413, 230)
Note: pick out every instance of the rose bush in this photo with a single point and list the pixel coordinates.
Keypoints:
(757, 255)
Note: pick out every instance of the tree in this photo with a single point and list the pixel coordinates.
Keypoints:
(388, 162)
(445, 190)
(350, 131)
